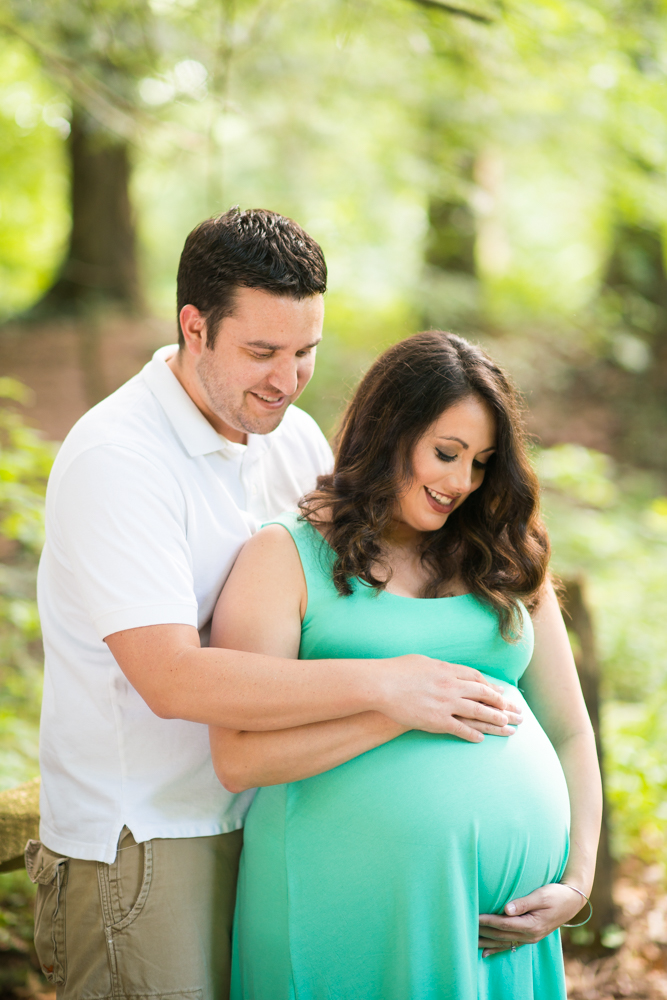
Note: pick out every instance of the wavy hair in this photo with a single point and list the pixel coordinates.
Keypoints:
(495, 541)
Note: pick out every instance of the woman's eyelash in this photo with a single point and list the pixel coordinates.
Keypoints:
(452, 458)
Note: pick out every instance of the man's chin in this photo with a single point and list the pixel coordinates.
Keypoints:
(263, 424)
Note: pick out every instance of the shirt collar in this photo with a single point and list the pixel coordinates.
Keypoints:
(196, 434)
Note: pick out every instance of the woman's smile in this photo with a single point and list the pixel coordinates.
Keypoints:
(448, 464)
(440, 502)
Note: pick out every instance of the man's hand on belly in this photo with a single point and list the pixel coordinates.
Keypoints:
(528, 919)
(440, 697)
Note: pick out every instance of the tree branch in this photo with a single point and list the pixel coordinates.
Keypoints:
(108, 108)
(449, 8)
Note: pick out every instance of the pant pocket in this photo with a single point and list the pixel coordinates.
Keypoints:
(124, 886)
(50, 872)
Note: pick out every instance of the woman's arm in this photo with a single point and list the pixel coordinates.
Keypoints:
(260, 611)
(552, 689)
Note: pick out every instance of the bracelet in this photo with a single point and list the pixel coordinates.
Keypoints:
(590, 906)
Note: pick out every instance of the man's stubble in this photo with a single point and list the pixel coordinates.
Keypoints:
(229, 404)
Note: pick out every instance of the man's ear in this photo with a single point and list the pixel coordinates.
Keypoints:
(193, 325)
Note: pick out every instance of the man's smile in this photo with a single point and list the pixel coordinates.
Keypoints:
(269, 402)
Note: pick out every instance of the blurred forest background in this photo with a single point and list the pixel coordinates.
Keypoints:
(497, 168)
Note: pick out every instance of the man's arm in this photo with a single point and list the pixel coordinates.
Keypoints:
(247, 689)
(119, 521)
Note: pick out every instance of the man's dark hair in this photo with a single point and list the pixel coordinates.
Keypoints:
(251, 249)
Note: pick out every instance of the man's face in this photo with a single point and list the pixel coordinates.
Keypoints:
(262, 359)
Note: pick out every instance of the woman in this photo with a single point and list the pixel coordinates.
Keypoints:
(365, 878)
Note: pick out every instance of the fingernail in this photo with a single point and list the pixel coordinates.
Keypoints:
(485, 953)
(510, 908)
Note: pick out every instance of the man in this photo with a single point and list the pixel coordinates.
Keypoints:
(151, 497)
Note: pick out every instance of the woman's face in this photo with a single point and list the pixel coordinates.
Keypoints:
(448, 464)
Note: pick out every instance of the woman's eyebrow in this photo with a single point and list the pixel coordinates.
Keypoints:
(466, 446)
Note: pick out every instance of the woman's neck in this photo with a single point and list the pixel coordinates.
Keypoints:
(400, 535)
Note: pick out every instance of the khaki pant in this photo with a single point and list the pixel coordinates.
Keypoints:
(155, 923)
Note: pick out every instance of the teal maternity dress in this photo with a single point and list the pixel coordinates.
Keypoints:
(366, 882)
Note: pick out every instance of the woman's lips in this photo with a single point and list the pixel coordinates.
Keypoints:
(438, 507)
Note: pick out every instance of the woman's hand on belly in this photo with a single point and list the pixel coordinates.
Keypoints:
(528, 919)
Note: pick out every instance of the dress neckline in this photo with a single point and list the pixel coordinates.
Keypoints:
(389, 593)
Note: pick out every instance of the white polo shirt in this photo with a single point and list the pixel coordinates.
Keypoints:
(146, 510)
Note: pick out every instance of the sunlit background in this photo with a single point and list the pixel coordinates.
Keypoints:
(493, 168)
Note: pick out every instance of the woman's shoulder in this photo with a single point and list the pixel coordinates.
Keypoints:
(272, 539)
(301, 528)
(298, 532)
(268, 556)
(289, 519)
(267, 574)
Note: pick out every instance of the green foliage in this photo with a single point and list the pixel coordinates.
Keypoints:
(33, 178)
(103, 41)
(635, 739)
(579, 473)
(17, 954)
(25, 462)
(547, 123)
(612, 528)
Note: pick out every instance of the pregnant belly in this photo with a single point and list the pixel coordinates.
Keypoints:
(488, 820)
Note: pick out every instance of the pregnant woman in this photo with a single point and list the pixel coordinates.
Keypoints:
(431, 866)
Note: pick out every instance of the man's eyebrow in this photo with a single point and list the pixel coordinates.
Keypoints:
(264, 345)
(466, 446)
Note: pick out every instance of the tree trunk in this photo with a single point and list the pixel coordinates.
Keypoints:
(101, 264)
(450, 244)
(580, 622)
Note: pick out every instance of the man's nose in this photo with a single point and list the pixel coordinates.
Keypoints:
(284, 376)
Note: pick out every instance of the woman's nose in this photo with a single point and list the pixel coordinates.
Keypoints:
(460, 478)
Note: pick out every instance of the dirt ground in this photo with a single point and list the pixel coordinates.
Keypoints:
(639, 968)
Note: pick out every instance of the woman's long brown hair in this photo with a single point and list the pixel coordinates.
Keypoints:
(495, 541)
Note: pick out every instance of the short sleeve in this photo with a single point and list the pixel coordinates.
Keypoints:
(119, 523)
